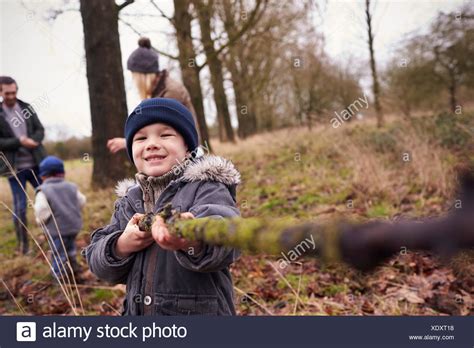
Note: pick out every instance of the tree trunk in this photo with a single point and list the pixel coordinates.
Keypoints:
(452, 94)
(107, 97)
(245, 114)
(373, 68)
(187, 61)
(241, 105)
(226, 133)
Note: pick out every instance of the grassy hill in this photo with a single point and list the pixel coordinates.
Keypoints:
(406, 169)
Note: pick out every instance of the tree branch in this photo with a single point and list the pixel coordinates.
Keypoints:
(140, 35)
(361, 245)
(124, 4)
(161, 12)
(253, 19)
(140, 15)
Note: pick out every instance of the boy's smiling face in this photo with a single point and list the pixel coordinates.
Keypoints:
(156, 148)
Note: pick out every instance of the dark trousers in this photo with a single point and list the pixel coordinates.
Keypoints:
(20, 202)
(62, 254)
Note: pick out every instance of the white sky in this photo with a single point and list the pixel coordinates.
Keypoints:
(48, 61)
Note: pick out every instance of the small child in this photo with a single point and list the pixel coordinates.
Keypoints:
(167, 275)
(58, 206)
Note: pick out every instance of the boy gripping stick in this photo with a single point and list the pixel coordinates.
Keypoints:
(167, 275)
(58, 205)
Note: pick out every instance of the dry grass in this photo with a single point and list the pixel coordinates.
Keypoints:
(311, 174)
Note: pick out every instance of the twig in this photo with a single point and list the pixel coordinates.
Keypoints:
(253, 19)
(124, 4)
(112, 308)
(286, 282)
(297, 298)
(253, 300)
(161, 12)
(111, 288)
(128, 24)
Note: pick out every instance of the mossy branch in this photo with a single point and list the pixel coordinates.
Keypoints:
(362, 246)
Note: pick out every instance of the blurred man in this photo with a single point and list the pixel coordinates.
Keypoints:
(21, 134)
(1, 79)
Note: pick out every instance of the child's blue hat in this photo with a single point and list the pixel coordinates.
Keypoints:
(161, 110)
(51, 165)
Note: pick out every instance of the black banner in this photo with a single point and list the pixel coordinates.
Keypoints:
(292, 332)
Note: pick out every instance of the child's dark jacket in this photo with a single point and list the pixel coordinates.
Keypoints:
(162, 282)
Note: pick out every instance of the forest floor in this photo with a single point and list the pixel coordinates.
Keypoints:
(406, 169)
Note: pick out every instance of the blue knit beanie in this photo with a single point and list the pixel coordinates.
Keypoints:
(51, 165)
(161, 110)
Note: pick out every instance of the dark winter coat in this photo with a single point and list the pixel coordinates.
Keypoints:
(162, 282)
(9, 144)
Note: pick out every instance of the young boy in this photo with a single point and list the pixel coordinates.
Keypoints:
(58, 206)
(167, 275)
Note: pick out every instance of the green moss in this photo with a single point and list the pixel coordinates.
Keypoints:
(345, 173)
(251, 234)
(334, 289)
(379, 210)
(102, 295)
(8, 242)
(309, 199)
(340, 196)
(294, 280)
(267, 191)
(272, 203)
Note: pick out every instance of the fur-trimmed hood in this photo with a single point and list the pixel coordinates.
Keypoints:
(205, 168)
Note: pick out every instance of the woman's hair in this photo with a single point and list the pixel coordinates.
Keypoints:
(144, 83)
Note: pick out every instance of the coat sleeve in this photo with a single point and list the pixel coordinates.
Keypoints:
(41, 208)
(9, 144)
(81, 198)
(38, 129)
(100, 253)
(212, 200)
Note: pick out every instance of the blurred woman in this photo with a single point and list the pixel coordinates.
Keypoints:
(152, 83)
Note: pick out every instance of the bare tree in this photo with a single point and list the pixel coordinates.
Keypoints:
(451, 39)
(410, 80)
(429, 66)
(373, 67)
(106, 86)
(258, 61)
(239, 74)
(204, 12)
(187, 61)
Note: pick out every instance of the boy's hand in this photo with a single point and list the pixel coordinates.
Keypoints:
(132, 239)
(167, 241)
